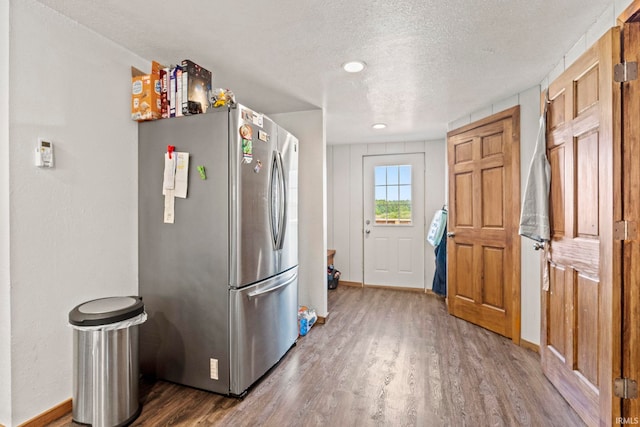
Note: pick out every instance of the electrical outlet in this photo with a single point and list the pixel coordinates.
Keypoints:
(213, 368)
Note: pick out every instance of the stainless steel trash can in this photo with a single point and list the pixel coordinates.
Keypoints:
(105, 360)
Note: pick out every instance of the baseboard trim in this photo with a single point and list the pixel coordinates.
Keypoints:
(395, 288)
(529, 346)
(52, 414)
(322, 319)
(352, 284)
(431, 293)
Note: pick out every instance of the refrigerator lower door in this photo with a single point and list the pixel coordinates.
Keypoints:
(264, 325)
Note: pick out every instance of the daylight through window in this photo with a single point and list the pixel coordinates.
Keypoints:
(393, 194)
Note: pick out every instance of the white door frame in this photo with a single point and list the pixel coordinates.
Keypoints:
(418, 197)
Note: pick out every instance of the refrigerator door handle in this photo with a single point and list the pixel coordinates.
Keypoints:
(274, 201)
(268, 290)
(282, 221)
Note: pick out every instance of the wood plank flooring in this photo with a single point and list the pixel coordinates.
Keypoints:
(384, 358)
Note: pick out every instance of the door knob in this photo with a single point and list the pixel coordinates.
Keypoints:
(451, 234)
(538, 246)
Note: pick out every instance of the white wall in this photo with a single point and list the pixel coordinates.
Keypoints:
(5, 279)
(345, 194)
(73, 227)
(309, 128)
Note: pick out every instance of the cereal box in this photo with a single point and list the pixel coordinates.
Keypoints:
(146, 98)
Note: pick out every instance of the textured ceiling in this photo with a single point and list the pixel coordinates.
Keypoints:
(428, 62)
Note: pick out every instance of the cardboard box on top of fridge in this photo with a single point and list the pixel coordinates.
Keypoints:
(146, 99)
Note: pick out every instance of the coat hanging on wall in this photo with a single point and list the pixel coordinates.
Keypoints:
(440, 277)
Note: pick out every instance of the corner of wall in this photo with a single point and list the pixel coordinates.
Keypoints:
(5, 277)
(329, 188)
(529, 258)
(309, 128)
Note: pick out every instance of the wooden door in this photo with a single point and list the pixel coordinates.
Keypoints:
(394, 238)
(580, 339)
(631, 210)
(484, 209)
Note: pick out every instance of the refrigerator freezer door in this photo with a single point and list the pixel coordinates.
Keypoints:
(264, 325)
(253, 140)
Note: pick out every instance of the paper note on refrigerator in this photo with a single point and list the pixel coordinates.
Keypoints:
(180, 178)
(169, 172)
(182, 175)
(169, 207)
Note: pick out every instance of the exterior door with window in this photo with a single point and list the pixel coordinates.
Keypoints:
(394, 220)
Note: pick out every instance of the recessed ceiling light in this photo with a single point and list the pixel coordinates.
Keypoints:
(353, 66)
(379, 126)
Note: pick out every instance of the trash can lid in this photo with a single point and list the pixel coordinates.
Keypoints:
(104, 311)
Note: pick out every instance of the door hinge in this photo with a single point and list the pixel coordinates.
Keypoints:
(625, 388)
(625, 230)
(625, 72)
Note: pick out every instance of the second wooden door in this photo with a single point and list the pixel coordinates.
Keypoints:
(581, 324)
(483, 245)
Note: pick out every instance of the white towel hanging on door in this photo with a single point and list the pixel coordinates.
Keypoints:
(534, 218)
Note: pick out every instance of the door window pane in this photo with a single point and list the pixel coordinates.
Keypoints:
(393, 194)
(381, 176)
(405, 175)
(392, 175)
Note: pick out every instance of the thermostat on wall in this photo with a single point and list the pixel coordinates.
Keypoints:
(44, 154)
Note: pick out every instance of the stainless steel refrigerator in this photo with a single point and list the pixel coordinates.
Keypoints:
(220, 284)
